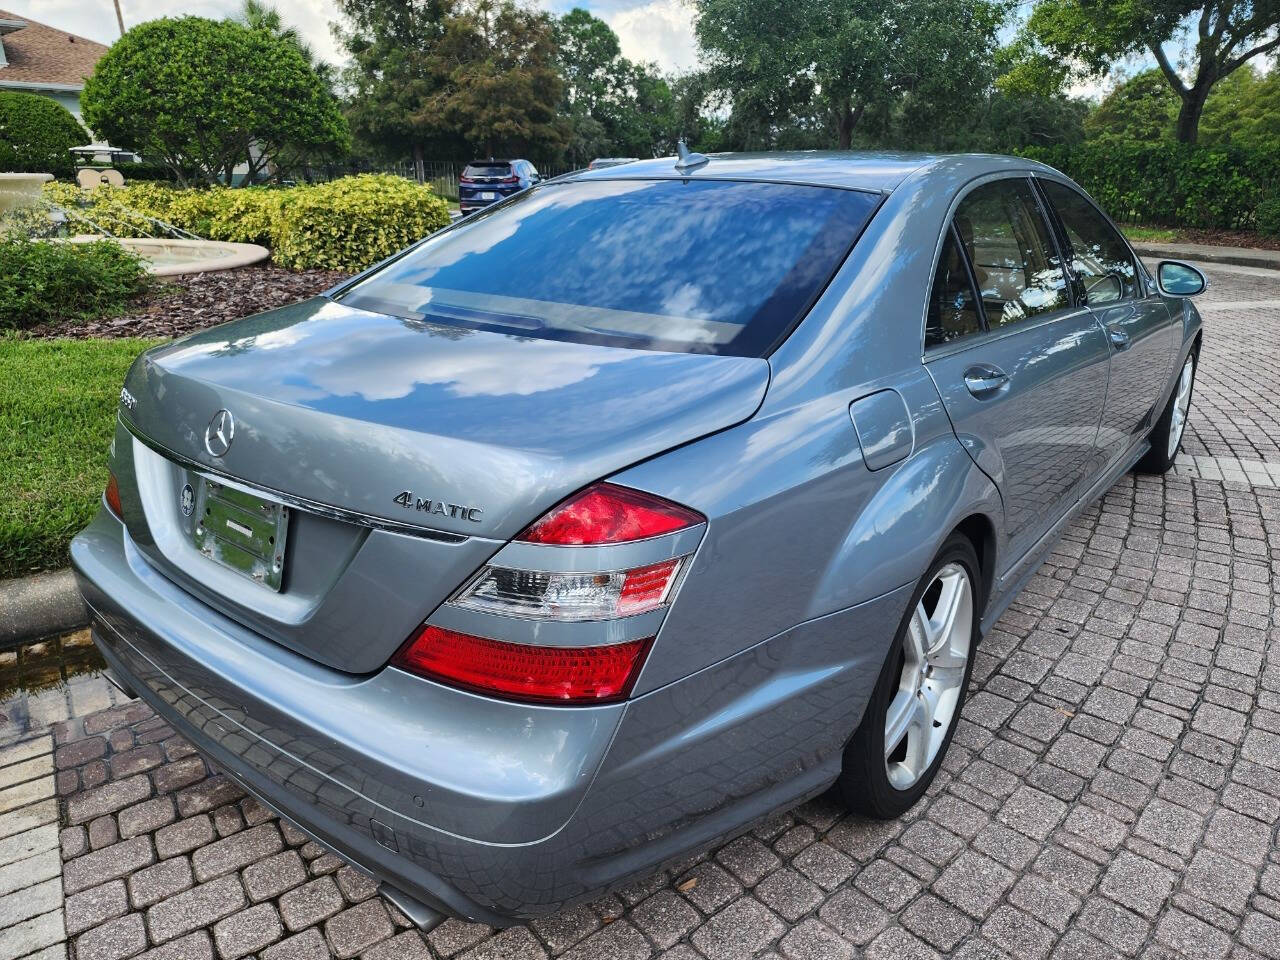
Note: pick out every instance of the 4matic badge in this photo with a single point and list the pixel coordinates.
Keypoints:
(458, 511)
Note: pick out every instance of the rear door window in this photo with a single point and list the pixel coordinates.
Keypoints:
(1099, 255)
(1015, 262)
(700, 266)
(953, 305)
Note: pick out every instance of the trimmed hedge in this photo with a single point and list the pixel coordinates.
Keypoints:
(37, 134)
(43, 281)
(1174, 184)
(352, 223)
(346, 224)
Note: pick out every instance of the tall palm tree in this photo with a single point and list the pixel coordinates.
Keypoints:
(261, 15)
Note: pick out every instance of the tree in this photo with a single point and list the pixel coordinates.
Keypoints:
(399, 79)
(789, 63)
(613, 104)
(286, 155)
(260, 15)
(37, 134)
(1223, 36)
(505, 85)
(210, 94)
(1142, 108)
(1244, 111)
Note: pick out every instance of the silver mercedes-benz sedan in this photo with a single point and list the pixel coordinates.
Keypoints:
(654, 499)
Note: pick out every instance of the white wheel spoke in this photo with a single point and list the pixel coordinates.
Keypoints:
(919, 637)
(955, 591)
(906, 717)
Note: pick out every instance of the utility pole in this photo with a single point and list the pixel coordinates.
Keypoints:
(119, 17)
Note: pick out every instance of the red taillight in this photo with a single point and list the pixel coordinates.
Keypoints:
(112, 496)
(520, 671)
(511, 179)
(465, 180)
(605, 513)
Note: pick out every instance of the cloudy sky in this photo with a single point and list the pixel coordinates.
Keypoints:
(650, 30)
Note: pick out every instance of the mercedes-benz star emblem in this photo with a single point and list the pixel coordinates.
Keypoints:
(219, 434)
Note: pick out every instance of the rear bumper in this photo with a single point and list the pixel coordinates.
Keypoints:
(576, 801)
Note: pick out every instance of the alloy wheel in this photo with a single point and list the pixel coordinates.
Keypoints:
(934, 657)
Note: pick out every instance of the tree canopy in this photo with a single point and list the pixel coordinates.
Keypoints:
(37, 134)
(231, 94)
(1217, 37)
(835, 64)
(612, 104)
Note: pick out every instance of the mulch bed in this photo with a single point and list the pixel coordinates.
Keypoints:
(184, 304)
(1229, 238)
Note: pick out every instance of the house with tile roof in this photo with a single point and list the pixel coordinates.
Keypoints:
(37, 58)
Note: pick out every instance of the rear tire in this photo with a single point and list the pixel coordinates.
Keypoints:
(1166, 435)
(911, 717)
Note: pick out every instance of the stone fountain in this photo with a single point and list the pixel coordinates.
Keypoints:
(21, 189)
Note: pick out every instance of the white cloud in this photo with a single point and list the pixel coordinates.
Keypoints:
(96, 19)
(656, 30)
(660, 31)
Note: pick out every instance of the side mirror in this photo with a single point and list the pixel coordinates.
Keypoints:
(1106, 289)
(1177, 279)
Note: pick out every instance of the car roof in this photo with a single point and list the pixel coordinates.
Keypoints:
(877, 171)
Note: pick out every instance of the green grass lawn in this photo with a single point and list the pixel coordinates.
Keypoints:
(57, 406)
(1150, 234)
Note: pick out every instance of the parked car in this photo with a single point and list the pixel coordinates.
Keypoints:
(605, 522)
(599, 163)
(487, 181)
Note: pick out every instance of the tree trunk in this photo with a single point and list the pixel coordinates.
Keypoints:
(1188, 127)
(419, 163)
(846, 119)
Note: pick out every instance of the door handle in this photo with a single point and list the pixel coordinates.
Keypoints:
(984, 381)
(1119, 339)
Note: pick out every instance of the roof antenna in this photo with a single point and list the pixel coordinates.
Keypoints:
(689, 160)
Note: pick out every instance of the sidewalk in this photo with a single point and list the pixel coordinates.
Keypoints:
(1207, 253)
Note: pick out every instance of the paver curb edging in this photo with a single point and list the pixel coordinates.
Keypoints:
(1205, 253)
(40, 605)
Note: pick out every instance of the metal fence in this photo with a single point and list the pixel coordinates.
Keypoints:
(442, 175)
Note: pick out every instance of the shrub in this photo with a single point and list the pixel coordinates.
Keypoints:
(36, 135)
(352, 223)
(1269, 216)
(1171, 183)
(43, 281)
(248, 215)
(346, 224)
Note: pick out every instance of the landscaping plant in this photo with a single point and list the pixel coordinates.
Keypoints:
(44, 281)
(37, 134)
(352, 223)
(346, 224)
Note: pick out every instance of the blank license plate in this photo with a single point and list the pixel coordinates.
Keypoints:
(241, 531)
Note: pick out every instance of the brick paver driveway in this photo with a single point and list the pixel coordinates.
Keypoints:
(1112, 789)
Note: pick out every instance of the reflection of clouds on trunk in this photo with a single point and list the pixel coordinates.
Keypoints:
(361, 366)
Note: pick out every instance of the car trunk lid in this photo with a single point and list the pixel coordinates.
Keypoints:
(465, 436)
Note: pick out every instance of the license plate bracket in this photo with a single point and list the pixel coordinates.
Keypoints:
(241, 531)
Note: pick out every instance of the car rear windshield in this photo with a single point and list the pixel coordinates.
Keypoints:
(699, 266)
(487, 170)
